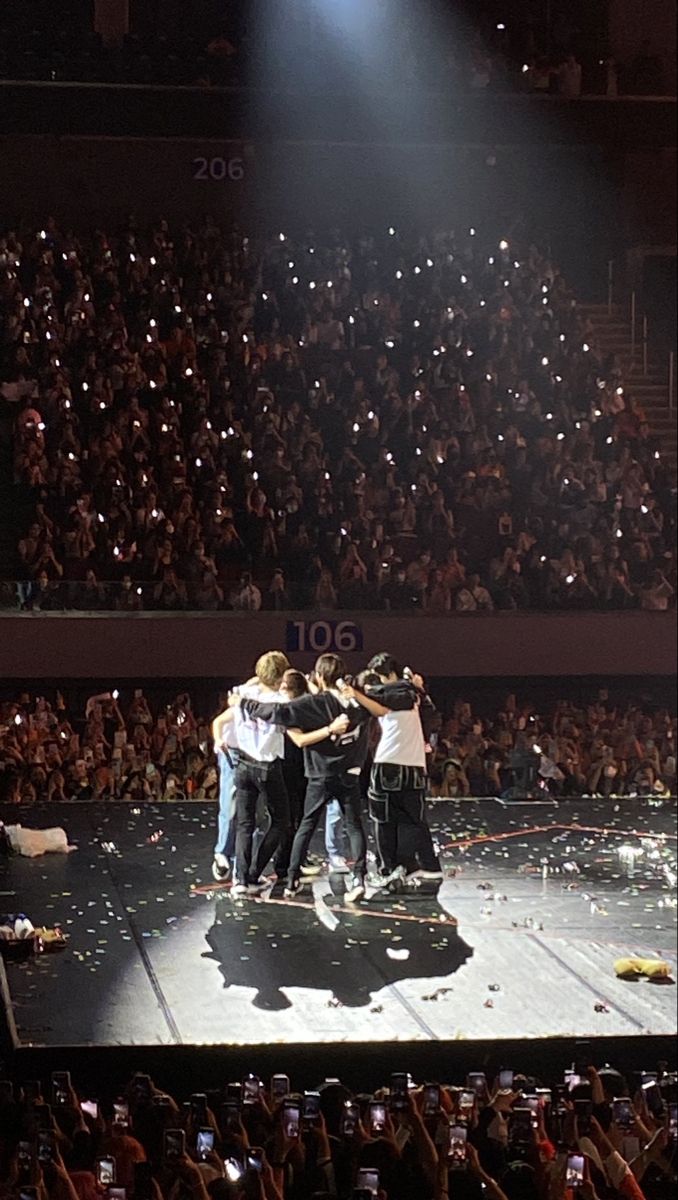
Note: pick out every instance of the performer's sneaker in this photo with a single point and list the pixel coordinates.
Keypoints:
(419, 877)
(239, 890)
(221, 868)
(293, 889)
(355, 891)
(339, 865)
(312, 869)
(394, 881)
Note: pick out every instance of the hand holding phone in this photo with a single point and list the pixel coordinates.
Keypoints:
(121, 1114)
(574, 1171)
(251, 1090)
(291, 1116)
(106, 1172)
(623, 1113)
(522, 1125)
(312, 1108)
(431, 1099)
(350, 1119)
(457, 1147)
(61, 1088)
(280, 1087)
(47, 1147)
(377, 1122)
(400, 1092)
(234, 1169)
(255, 1158)
(25, 1161)
(367, 1180)
(174, 1146)
(477, 1082)
(205, 1143)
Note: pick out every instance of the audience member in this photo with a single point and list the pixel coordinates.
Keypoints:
(206, 421)
(218, 49)
(605, 1136)
(96, 749)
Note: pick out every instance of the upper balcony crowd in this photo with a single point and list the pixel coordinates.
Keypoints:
(398, 421)
(215, 46)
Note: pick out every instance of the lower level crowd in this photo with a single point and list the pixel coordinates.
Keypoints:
(155, 744)
(599, 1135)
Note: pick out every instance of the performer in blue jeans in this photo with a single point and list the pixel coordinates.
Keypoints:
(335, 837)
(223, 732)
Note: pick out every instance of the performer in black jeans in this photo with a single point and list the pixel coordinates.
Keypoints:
(259, 778)
(333, 764)
(294, 684)
(397, 790)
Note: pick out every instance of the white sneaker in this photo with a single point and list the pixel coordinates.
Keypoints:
(221, 868)
(396, 877)
(355, 891)
(312, 869)
(339, 864)
(239, 890)
(425, 877)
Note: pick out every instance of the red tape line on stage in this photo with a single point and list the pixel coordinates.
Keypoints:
(481, 839)
(364, 912)
(207, 890)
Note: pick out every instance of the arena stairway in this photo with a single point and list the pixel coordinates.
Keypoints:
(613, 336)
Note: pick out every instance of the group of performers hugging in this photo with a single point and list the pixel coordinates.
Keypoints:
(293, 747)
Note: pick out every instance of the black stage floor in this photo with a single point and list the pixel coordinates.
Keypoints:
(542, 908)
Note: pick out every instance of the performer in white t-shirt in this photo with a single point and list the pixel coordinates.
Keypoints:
(397, 791)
